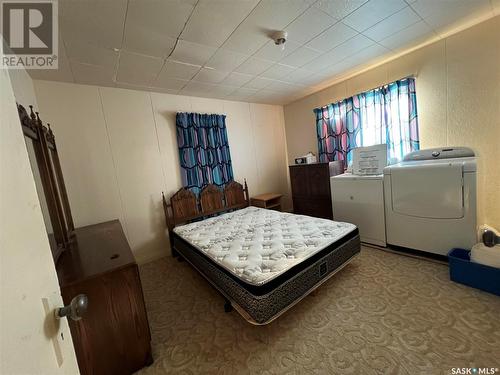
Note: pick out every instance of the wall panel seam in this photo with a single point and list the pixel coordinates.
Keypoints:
(122, 208)
(158, 142)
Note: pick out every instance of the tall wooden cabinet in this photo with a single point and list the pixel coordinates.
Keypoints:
(311, 190)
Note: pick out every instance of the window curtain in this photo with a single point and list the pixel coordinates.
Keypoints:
(387, 114)
(203, 150)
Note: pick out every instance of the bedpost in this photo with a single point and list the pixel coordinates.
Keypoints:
(170, 225)
(245, 189)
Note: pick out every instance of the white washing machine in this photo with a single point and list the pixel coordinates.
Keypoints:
(360, 200)
(430, 200)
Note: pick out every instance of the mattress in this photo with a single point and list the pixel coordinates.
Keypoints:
(257, 245)
(265, 261)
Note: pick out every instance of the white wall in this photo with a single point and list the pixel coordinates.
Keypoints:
(27, 272)
(458, 102)
(118, 153)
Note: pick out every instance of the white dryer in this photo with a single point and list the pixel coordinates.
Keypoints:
(430, 200)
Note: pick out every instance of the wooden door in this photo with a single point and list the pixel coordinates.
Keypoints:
(31, 340)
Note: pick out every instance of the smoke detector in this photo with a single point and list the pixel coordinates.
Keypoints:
(279, 38)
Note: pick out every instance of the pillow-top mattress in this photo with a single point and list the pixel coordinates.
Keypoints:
(257, 245)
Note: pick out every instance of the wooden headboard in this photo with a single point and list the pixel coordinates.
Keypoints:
(185, 207)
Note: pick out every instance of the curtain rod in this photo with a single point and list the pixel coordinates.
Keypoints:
(373, 88)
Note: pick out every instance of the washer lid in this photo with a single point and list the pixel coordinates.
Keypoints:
(350, 176)
(439, 153)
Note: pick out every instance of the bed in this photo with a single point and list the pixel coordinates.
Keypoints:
(262, 261)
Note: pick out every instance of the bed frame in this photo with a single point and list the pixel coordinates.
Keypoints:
(185, 207)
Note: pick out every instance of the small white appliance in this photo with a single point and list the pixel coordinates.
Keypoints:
(430, 200)
(360, 200)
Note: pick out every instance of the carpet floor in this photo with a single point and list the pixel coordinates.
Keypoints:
(384, 313)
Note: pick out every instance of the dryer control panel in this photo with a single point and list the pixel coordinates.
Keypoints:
(440, 153)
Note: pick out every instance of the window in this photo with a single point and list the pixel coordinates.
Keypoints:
(387, 114)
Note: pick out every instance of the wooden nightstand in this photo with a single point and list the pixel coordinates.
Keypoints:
(270, 200)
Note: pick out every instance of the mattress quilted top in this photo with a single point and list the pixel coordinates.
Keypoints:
(257, 245)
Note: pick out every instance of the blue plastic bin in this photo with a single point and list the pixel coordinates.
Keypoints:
(476, 275)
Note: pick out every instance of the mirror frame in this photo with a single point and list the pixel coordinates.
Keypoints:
(54, 190)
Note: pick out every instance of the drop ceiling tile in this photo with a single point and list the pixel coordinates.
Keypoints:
(441, 15)
(392, 24)
(258, 83)
(142, 40)
(359, 59)
(365, 55)
(372, 12)
(254, 66)
(210, 75)
(300, 57)
(237, 79)
(84, 52)
(213, 21)
(350, 47)
(62, 73)
(174, 69)
(226, 60)
(339, 53)
(319, 78)
(277, 71)
(283, 87)
(129, 86)
(169, 83)
(267, 16)
(338, 9)
(137, 69)
(299, 75)
(192, 53)
(272, 52)
(242, 94)
(417, 31)
(166, 91)
(197, 88)
(318, 63)
(332, 37)
(152, 27)
(309, 24)
(95, 21)
(223, 90)
(245, 91)
(270, 96)
(92, 74)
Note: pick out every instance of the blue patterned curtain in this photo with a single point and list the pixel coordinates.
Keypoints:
(387, 114)
(203, 150)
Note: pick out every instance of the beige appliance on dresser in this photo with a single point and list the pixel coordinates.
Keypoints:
(360, 200)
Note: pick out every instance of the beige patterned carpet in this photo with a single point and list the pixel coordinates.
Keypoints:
(383, 314)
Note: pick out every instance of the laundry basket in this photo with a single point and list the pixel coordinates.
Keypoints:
(476, 275)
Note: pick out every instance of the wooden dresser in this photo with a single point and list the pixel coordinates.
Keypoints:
(113, 336)
(311, 190)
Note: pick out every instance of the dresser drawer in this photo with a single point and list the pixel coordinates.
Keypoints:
(313, 207)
